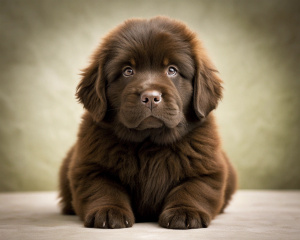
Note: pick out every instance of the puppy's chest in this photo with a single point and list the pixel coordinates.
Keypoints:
(159, 170)
(151, 171)
(150, 167)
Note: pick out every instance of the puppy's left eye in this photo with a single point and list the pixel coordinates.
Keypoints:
(172, 71)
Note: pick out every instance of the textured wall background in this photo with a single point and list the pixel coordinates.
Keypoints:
(254, 44)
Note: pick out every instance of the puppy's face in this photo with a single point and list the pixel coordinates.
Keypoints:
(145, 81)
(150, 99)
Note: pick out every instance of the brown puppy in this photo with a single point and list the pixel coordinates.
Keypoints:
(148, 148)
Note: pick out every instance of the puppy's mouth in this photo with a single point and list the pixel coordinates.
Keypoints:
(150, 122)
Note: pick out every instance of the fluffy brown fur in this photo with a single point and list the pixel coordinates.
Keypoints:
(148, 148)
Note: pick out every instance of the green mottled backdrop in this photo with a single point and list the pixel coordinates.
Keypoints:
(254, 44)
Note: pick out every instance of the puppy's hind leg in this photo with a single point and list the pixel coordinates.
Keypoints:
(231, 183)
(65, 193)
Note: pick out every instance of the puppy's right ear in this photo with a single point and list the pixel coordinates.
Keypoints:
(91, 90)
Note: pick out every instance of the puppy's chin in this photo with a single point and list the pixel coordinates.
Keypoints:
(149, 123)
(145, 121)
(151, 129)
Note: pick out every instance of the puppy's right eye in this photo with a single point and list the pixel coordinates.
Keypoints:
(128, 71)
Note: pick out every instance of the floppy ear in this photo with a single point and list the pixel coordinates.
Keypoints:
(207, 85)
(91, 89)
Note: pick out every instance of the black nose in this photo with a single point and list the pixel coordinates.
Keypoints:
(151, 98)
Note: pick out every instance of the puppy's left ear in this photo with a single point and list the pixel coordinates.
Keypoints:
(207, 85)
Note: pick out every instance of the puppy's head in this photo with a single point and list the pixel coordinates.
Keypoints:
(150, 79)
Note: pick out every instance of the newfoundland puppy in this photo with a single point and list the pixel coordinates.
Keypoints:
(148, 147)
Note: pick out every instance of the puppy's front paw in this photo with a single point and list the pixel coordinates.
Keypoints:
(109, 217)
(183, 218)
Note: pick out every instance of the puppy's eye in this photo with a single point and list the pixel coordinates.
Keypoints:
(172, 71)
(128, 71)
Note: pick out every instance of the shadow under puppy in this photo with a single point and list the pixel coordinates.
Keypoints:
(148, 147)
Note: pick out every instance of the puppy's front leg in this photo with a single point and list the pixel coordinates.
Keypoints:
(192, 204)
(101, 202)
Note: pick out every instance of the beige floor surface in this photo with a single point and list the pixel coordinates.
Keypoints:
(251, 215)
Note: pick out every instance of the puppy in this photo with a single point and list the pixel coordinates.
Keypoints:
(148, 147)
